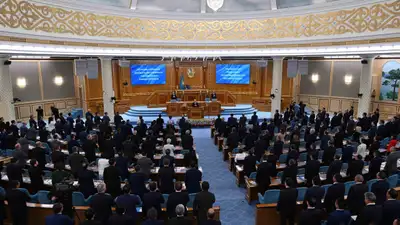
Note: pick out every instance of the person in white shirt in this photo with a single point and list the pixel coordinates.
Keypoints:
(101, 165)
(169, 146)
(362, 149)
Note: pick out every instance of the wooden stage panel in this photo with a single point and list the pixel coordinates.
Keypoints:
(184, 107)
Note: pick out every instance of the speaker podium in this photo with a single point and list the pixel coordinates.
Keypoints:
(196, 113)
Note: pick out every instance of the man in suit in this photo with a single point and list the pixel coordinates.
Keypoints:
(35, 174)
(347, 152)
(340, 216)
(233, 139)
(89, 215)
(249, 163)
(193, 178)
(380, 188)
(101, 204)
(312, 169)
(286, 205)
(312, 215)
(17, 200)
(85, 178)
(232, 121)
(72, 143)
(128, 201)
(381, 131)
(315, 192)
(166, 174)
(58, 218)
(372, 213)
(169, 157)
(176, 198)
(195, 103)
(152, 199)
(187, 140)
(264, 175)
(14, 171)
(203, 201)
(290, 172)
(333, 169)
(391, 208)
(329, 154)
(120, 217)
(356, 166)
(57, 157)
(152, 216)
(112, 179)
(210, 218)
(375, 165)
(254, 118)
(39, 153)
(180, 217)
(76, 160)
(334, 192)
(89, 147)
(137, 182)
(355, 197)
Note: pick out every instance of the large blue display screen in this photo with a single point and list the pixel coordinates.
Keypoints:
(233, 74)
(146, 74)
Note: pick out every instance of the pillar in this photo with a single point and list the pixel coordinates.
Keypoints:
(276, 84)
(7, 110)
(364, 101)
(108, 91)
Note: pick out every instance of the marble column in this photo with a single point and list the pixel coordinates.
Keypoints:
(7, 110)
(364, 102)
(108, 91)
(276, 84)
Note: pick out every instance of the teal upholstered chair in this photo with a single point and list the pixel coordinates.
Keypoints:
(270, 196)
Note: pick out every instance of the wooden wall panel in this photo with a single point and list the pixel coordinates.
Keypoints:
(193, 75)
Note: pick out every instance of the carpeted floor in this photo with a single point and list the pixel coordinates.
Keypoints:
(231, 199)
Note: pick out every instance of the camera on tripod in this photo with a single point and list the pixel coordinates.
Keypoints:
(63, 193)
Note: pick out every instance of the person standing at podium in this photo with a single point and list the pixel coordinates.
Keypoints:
(173, 96)
(195, 103)
(213, 95)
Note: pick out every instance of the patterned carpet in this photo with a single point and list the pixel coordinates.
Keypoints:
(231, 199)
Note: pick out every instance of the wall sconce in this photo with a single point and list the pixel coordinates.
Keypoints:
(348, 79)
(21, 82)
(314, 77)
(58, 80)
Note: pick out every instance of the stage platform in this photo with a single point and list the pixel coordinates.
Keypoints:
(150, 114)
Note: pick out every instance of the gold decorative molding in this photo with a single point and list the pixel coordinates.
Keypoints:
(19, 14)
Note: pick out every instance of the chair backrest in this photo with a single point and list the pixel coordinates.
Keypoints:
(393, 180)
(345, 166)
(282, 158)
(347, 186)
(303, 157)
(271, 196)
(301, 171)
(253, 175)
(43, 197)
(78, 199)
(191, 200)
(301, 192)
(370, 182)
(235, 150)
(323, 169)
(165, 196)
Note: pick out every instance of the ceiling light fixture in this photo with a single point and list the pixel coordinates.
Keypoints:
(314, 77)
(348, 79)
(215, 4)
(21, 82)
(58, 80)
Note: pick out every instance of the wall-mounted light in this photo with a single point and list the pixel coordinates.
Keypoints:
(58, 80)
(314, 77)
(348, 79)
(21, 82)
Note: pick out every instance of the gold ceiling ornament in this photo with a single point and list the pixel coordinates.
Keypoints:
(20, 14)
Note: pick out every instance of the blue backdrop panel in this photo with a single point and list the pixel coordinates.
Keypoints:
(233, 73)
(146, 74)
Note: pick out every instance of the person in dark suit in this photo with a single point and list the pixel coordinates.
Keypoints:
(278, 147)
(39, 153)
(203, 201)
(35, 174)
(169, 157)
(101, 204)
(187, 140)
(347, 152)
(315, 192)
(333, 193)
(372, 213)
(176, 198)
(195, 103)
(57, 157)
(254, 118)
(333, 169)
(17, 200)
(249, 163)
(39, 112)
(122, 164)
(264, 175)
(232, 121)
(76, 160)
(210, 218)
(85, 178)
(286, 205)
(112, 179)
(375, 165)
(152, 216)
(137, 181)
(290, 172)
(355, 197)
(312, 215)
(58, 218)
(312, 169)
(89, 147)
(340, 216)
(180, 218)
(152, 199)
(391, 208)
(128, 202)
(166, 174)
(380, 188)
(72, 143)
(14, 171)
(107, 147)
(89, 215)
(356, 166)
(329, 153)
(120, 217)
(193, 177)
(233, 139)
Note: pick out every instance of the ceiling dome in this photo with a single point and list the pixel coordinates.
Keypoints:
(197, 6)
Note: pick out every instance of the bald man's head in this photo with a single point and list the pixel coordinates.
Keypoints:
(210, 213)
